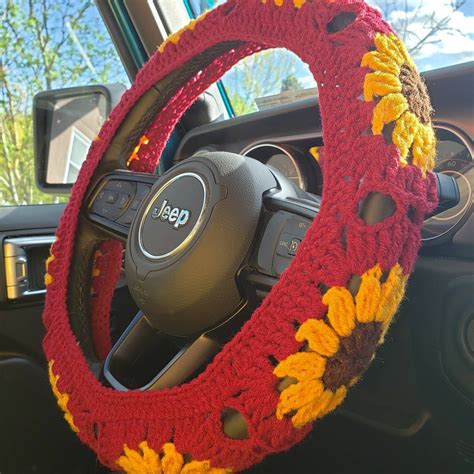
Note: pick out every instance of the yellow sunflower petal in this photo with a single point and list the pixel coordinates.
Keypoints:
(50, 259)
(321, 338)
(378, 61)
(401, 50)
(404, 133)
(424, 148)
(201, 467)
(379, 84)
(389, 46)
(302, 366)
(298, 395)
(312, 410)
(146, 462)
(387, 110)
(368, 296)
(391, 294)
(341, 310)
(62, 398)
(172, 461)
(336, 400)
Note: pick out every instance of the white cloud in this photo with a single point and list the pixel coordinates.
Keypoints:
(422, 14)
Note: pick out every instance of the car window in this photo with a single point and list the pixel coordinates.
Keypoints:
(437, 34)
(45, 45)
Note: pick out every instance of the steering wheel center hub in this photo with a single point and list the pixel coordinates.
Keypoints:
(173, 216)
(179, 269)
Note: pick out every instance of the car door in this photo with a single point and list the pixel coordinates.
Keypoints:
(45, 45)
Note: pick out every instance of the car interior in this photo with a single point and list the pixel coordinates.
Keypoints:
(412, 411)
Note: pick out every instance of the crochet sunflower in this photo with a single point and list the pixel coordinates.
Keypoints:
(402, 101)
(339, 347)
(145, 460)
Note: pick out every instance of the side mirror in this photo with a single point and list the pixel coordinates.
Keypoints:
(65, 121)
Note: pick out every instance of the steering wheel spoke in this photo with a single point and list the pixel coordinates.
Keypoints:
(114, 202)
(289, 214)
(145, 358)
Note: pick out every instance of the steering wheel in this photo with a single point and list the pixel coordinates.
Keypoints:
(207, 240)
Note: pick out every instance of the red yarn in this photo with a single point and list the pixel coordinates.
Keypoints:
(241, 375)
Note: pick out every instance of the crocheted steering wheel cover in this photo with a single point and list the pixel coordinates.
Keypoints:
(313, 329)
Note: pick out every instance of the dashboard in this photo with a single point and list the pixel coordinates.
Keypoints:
(289, 138)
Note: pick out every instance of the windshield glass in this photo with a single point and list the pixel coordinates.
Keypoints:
(437, 33)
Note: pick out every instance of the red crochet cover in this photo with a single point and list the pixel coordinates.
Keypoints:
(358, 161)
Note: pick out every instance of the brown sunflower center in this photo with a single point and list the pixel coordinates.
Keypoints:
(353, 357)
(415, 91)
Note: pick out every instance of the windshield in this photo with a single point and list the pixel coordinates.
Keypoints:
(437, 33)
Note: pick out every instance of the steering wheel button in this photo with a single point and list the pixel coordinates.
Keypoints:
(121, 186)
(108, 211)
(142, 190)
(283, 245)
(127, 218)
(293, 246)
(123, 201)
(297, 227)
(108, 196)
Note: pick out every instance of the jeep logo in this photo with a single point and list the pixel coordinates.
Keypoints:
(174, 215)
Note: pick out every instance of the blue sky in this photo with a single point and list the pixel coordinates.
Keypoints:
(446, 47)
(449, 46)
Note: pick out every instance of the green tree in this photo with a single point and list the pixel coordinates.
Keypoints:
(44, 44)
(291, 83)
(259, 75)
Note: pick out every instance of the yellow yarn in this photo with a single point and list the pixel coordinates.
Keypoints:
(297, 396)
(48, 279)
(379, 84)
(146, 461)
(321, 338)
(380, 62)
(302, 366)
(50, 259)
(172, 460)
(368, 297)
(62, 398)
(424, 148)
(404, 133)
(314, 150)
(299, 3)
(341, 310)
(384, 82)
(336, 400)
(312, 410)
(175, 37)
(391, 295)
(308, 399)
(388, 109)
